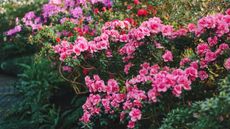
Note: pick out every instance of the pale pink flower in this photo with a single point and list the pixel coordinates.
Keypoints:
(55, 1)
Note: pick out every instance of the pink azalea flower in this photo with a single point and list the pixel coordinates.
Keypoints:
(202, 48)
(76, 50)
(66, 68)
(122, 116)
(191, 27)
(82, 44)
(210, 56)
(227, 64)
(203, 75)
(112, 86)
(127, 67)
(167, 30)
(212, 41)
(191, 71)
(135, 114)
(227, 11)
(167, 56)
(131, 124)
(152, 95)
(86, 117)
(184, 61)
(63, 56)
(177, 90)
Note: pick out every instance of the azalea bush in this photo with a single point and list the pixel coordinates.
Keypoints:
(115, 90)
(210, 113)
(133, 67)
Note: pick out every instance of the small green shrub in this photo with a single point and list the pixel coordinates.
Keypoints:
(41, 96)
(212, 113)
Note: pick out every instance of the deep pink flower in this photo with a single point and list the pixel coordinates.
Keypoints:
(210, 56)
(127, 67)
(136, 2)
(86, 117)
(202, 48)
(203, 75)
(184, 61)
(191, 27)
(177, 90)
(191, 71)
(203, 63)
(112, 86)
(131, 124)
(142, 12)
(63, 56)
(155, 27)
(194, 64)
(227, 64)
(212, 41)
(76, 50)
(227, 11)
(167, 56)
(167, 30)
(143, 72)
(152, 95)
(82, 44)
(122, 116)
(162, 87)
(224, 46)
(135, 114)
(66, 68)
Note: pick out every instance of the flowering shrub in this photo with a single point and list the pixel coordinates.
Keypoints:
(125, 65)
(210, 113)
(127, 94)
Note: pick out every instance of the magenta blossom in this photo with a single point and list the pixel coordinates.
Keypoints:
(167, 56)
(227, 64)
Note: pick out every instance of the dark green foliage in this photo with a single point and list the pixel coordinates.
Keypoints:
(13, 67)
(45, 101)
(212, 113)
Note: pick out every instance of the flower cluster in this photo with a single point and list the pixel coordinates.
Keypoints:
(109, 98)
(161, 79)
(71, 9)
(66, 49)
(140, 81)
